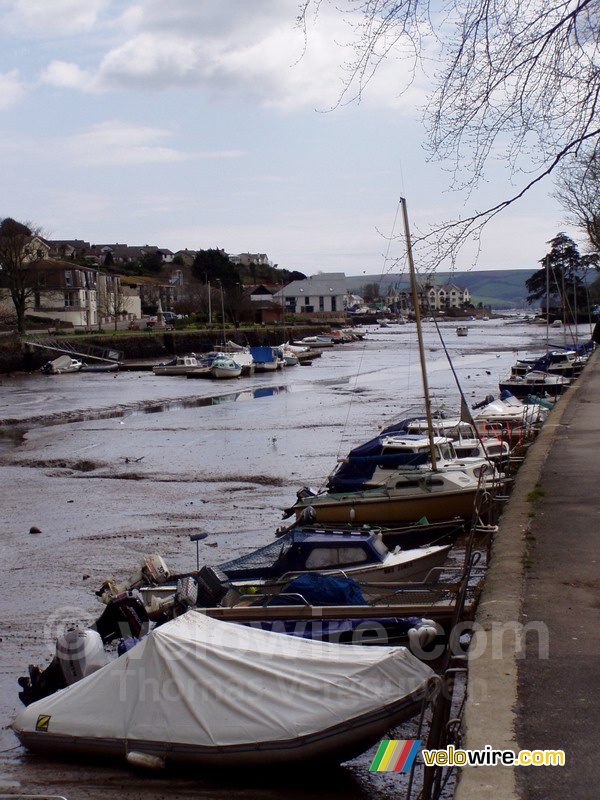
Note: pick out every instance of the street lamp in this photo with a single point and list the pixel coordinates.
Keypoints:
(207, 282)
(220, 282)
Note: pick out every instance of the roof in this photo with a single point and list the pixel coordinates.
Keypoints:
(333, 283)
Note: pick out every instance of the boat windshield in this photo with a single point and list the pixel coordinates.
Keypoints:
(322, 557)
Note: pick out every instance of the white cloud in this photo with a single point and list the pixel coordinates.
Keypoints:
(115, 142)
(11, 89)
(248, 51)
(55, 18)
(67, 75)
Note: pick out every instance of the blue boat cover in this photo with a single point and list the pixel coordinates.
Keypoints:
(321, 590)
(262, 354)
(352, 474)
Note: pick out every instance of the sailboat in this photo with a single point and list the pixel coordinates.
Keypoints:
(406, 483)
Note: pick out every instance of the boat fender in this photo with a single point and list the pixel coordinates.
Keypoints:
(145, 760)
(421, 637)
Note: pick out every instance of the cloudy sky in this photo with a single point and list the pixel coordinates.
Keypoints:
(215, 123)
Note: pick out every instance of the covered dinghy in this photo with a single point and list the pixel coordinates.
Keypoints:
(205, 692)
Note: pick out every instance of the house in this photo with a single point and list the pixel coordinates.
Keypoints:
(81, 295)
(323, 293)
(246, 259)
(65, 249)
(446, 296)
(260, 304)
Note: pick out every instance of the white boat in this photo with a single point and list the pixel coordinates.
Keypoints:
(315, 342)
(61, 365)
(466, 440)
(536, 382)
(288, 354)
(225, 367)
(179, 365)
(207, 693)
(462, 330)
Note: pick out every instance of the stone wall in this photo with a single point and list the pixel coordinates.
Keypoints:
(15, 356)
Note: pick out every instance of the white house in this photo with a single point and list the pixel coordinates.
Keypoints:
(83, 296)
(325, 292)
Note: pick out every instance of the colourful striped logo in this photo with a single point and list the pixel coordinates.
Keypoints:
(395, 755)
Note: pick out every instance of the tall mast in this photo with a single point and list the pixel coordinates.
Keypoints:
(547, 302)
(415, 298)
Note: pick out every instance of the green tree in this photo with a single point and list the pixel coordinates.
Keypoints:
(213, 265)
(560, 280)
(150, 263)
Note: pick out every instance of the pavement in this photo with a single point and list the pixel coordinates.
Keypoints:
(534, 661)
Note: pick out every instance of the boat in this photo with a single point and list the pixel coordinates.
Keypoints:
(436, 495)
(202, 692)
(535, 382)
(510, 418)
(180, 365)
(61, 365)
(225, 367)
(290, 354)
(356, 554)
(462, 330)
(315, 342)
(467, 441)
(265, 359)
(100, 366)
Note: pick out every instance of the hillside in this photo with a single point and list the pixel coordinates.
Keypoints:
(496, 288)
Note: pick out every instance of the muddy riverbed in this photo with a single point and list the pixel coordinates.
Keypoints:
(110, 467)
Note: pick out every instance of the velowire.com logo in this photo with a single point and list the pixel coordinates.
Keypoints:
(395, 755)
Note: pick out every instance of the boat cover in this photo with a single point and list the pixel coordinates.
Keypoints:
(320, 590)
(207, 684)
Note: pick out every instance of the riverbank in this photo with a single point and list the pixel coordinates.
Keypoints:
(18, 356)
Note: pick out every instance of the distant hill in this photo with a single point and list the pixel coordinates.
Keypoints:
(499, 288)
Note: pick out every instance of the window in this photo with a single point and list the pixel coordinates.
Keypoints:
(321, 303)
(69, 299)
(68, 278)
(324, 557)
(334, 303)
(307, 301)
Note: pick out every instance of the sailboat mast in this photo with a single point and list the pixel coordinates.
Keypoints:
(415, 298)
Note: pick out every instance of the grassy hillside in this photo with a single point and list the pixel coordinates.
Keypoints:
(495, 288)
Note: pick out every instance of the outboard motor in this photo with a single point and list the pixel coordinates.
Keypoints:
(153, 570)
(124, 616)
(79, 652)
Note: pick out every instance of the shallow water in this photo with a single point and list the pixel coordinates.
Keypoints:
(113, 466)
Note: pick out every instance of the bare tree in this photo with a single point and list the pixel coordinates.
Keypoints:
(19, 276)
(578, 191)
(112, 302)
(515, 79)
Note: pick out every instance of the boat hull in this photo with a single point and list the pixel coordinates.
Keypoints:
(334, 745)
(384, 508)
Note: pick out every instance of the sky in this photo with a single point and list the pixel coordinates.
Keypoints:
(215, 123)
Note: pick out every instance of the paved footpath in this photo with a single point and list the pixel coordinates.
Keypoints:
(542, 690)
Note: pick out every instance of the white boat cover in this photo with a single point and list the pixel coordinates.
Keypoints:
(200, 682)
